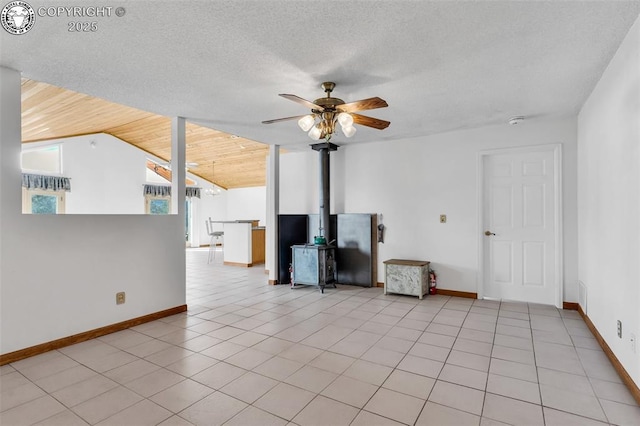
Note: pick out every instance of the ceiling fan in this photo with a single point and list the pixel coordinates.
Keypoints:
(327, 111)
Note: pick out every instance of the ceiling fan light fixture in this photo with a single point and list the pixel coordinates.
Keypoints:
(315, 133)
(307, 122)
(349, 130)
(345, 119)
(212, 192)
(328, 112)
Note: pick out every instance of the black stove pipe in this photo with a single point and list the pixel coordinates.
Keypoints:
(324, 190)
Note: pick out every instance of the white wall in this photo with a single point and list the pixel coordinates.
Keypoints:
(232, 204)
(107, 174)
(59, 273)
(412, 182)
(247, 204)
(106, 177)
(609, 201)
(299, 181)
(214, 207)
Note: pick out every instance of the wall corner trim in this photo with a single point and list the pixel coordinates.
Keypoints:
(87, 335)
(624, 376)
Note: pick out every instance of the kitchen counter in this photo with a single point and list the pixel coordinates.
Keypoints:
(244, 242)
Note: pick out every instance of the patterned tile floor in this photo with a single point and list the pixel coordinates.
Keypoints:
(251, 354)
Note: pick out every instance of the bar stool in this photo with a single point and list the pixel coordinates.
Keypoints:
(215, 236)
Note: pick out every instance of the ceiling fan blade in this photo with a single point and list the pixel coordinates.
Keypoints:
(301, 101)
(277, 120)
(363, 104)
(376, 123)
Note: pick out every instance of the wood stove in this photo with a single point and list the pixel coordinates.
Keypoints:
(315, 264)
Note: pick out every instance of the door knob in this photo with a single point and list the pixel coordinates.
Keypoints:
(488, 233)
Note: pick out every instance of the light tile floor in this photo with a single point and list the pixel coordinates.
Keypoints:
(251, 354)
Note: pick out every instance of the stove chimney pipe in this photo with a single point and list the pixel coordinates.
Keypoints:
(324, 190)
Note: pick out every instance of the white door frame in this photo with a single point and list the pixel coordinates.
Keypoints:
(558, 218)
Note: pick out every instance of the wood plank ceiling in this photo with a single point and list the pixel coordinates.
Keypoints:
(229, 161)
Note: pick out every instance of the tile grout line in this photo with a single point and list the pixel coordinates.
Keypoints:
(306, 303)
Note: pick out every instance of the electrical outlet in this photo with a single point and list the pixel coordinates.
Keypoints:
(443, 218)
(120, 298)
(620, 329)
(632, 339)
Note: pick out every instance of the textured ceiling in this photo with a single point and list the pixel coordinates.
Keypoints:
(440, 65)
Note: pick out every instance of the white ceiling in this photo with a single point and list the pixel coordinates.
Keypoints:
(440, 65)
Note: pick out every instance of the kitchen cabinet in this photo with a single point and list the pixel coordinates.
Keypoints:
(244, 242)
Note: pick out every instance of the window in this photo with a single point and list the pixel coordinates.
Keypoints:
(157, 205)
(46, 160)
(38, 201)
(157, 198)
(42, 193)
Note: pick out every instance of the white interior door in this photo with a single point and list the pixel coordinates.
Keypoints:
(521, 218)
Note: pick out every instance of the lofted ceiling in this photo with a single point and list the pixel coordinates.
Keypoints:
(50, 112)
(440, 65)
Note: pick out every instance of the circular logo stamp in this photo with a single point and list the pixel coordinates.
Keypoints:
(17, 17)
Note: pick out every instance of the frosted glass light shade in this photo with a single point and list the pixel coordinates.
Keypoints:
(315, 133)
(345, 119)
(348, 131)
(306, 122)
